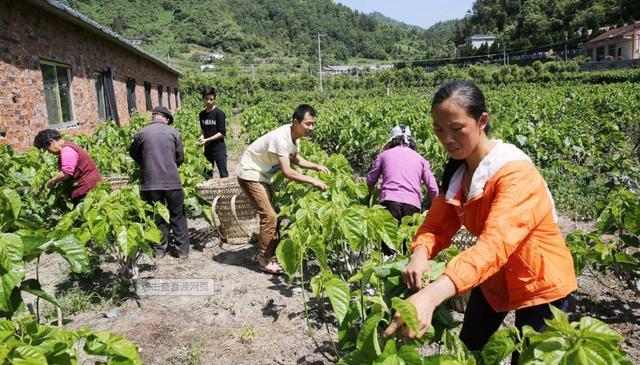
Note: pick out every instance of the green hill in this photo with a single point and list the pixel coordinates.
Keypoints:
(525, 23)
(440, 38)
(254, 30)
(396, 23)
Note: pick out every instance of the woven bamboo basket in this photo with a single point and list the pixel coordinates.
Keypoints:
(235, 218)
(117, 181)
(463, 239)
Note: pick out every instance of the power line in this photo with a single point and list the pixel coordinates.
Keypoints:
(510, 53)
(506, 52)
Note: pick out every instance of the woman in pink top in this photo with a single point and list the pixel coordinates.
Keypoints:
(74, 162)
(403, 171)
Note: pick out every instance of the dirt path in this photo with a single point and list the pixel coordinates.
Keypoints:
(251, 318)
(255, 318)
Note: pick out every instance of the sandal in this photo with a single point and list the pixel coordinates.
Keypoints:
(272, 267)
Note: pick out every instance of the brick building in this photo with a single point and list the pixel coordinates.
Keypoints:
(60, 69)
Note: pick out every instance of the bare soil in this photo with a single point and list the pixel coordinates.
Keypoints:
(252, 317)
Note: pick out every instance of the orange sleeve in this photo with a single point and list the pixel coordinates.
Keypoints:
(438, 227)
(520, 203)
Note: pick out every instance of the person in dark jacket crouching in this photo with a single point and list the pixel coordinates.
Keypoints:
(158, 149)
(74, 162)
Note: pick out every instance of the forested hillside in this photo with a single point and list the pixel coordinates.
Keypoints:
(385, 19)
(526, 23)
(258, 28)
(440, 38)
(285, 31)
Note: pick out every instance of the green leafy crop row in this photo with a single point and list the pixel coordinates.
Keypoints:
(584, 138)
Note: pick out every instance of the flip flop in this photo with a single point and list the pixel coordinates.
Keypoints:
(272, 267)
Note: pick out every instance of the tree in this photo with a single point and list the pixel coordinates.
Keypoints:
(119, 24)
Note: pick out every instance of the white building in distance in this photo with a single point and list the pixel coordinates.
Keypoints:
(477, 40)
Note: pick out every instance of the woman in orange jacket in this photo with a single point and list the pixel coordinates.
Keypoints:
(520, 261)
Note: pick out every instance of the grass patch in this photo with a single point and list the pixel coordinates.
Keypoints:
(193, 356)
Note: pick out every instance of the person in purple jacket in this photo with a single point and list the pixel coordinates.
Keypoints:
(403, 171)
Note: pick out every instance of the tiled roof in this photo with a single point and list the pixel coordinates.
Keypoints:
(61, 10)
(481, 36)
(615, 33)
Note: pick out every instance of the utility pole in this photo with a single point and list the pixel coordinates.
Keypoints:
(504, 55)
(319, 63)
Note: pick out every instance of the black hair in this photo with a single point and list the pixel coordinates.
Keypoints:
(208, 90)
(301, 110)
(44, 137)
(471, 98)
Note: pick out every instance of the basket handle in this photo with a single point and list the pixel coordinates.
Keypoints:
(216, 219)
(235, 216)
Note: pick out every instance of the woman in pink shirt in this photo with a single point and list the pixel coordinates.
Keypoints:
(75, 163)
(403, 171)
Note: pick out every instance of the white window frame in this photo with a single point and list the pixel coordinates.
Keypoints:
(72, 122)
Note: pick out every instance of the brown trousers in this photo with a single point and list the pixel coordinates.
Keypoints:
(261, 194)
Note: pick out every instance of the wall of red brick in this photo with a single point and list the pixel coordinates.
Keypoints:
(29, 35)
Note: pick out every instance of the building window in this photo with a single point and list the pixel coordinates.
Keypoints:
(102, 112)
(131, 95)
(175, 95)
(612, 50)
(600, 53)
(160, 95)
(147, 95)
(57, 92)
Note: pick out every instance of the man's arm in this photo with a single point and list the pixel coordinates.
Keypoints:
(135, 150)
(179, 150)
(215, 137)
(300, 161)
(290, 173)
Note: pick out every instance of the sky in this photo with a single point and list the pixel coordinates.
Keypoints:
(424, 13)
